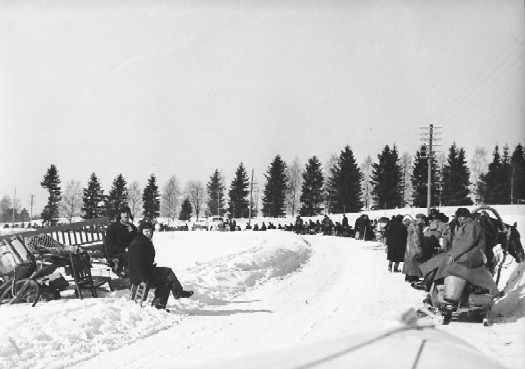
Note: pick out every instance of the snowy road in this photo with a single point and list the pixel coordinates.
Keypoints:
(255, 292)
(335, 294)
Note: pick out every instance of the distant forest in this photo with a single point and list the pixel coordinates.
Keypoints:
(289, 189)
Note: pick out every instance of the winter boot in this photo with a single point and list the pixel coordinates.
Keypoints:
(396, 268)
(158, 304)
(183, 294)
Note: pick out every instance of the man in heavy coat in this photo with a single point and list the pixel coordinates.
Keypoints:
(118, 237)
(142, 268)
(467, 258)
(396, 241)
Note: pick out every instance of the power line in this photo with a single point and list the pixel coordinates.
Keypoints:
(500, 54)
(472, 93)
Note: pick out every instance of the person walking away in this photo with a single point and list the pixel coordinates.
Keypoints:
(298, 225)
(119, 235)
(326, 225)
(396, 241)
(143, 269)
(357, 227)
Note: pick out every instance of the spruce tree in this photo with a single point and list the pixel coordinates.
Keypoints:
(93, 199)
(496, 182)
(274, 193)
(455, 186)
(345, 184)
(117, 198)
(51, 182)
(238, 193)
(420, 181)
(312, 189)
(216, 188)
(186, 210)
(387, 180)
(518, 175)
(151, 200)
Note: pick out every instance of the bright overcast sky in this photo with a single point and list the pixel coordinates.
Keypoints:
(182, 88)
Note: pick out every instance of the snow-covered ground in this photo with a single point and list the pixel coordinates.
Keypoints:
(270, 293)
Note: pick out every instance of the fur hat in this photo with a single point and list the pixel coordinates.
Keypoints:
(462, 212)
(146, 224)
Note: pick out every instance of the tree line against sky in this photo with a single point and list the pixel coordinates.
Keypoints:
(342, 186)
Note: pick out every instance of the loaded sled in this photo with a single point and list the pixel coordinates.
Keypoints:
(454, 297)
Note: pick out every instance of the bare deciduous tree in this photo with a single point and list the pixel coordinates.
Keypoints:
(366, 182)
(196, 193)
(71, 203)
(135, 199)
(169, 204)
(295, 179)
(406, 168)
(478, 166)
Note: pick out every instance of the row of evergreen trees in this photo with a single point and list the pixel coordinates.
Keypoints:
(391, 182)
(91, 202)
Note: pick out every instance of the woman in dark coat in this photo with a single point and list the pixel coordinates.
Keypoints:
(396, 240)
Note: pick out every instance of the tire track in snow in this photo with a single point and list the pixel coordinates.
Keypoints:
(334, 294)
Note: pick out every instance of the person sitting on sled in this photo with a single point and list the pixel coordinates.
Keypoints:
(466, 259)
(142, 268)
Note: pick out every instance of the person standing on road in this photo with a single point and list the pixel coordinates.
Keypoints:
(414, 250)
(298, 225)
(396, 241)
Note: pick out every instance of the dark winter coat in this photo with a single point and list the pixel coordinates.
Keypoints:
(357, 224)
(118, 238)
(141, 254)
(396, 241)
(413, 250)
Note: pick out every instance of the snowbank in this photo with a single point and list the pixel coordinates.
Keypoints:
(64, 332)
(251, 281)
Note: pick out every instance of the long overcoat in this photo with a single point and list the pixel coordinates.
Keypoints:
(413, 250)
(396, 241)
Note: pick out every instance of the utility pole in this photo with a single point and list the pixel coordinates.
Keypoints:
(14, 206)
(31, 216)
(429, 138)
(250, 208)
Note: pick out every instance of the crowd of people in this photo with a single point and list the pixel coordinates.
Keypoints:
(429, 247)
